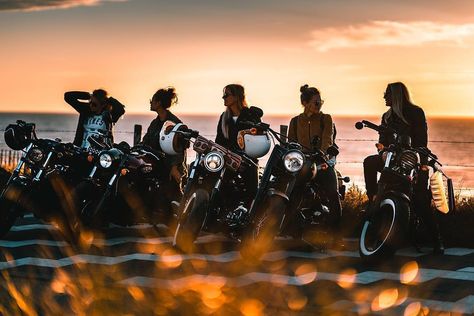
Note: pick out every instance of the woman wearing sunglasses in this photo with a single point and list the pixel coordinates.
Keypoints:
(315, 129)
(230, 123)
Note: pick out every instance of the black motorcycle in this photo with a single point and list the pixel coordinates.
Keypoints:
(288, 201)
(215, 197)
(124, 187)
(42, 181)
(391, 216)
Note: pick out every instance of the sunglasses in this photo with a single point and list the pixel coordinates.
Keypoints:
(226, 95)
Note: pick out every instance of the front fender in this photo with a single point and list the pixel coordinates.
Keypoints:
(282, 194)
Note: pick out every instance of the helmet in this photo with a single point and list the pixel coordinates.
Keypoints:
(18, 136)
(253, 145)
(170, 142)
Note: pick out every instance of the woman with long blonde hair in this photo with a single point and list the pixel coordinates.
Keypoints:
(408, 119)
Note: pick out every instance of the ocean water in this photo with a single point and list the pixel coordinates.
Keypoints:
(452, 139)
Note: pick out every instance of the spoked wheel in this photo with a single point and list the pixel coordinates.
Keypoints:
(383, 230)
(267, 225)
(191, 220)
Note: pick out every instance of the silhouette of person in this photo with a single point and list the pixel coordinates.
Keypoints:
(160, 103)
(406, 119)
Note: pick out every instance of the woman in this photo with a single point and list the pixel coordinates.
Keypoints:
(160, 103)
(230, 123)
(407, 119)
(304, 129)
(97, 115)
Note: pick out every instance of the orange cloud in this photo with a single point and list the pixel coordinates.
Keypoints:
(40, 5)
(390, 33)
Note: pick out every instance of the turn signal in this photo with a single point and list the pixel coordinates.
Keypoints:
(90, 158)
(123, 172)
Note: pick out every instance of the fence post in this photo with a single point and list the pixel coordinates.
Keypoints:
(137, 134)
(284, 132)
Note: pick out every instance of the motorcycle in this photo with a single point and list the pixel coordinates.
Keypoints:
(124, 187)
(288, 201)
(42, 179)
(215, 197)
(391, 216)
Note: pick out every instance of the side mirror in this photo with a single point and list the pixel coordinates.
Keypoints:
(359, 125)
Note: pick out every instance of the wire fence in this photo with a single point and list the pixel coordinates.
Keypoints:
(9, 158)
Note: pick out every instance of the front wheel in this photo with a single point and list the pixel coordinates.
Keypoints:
(266, 227)
(383, 229)
(191, 220)
(87, 197)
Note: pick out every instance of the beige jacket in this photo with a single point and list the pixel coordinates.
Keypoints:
(309, 126)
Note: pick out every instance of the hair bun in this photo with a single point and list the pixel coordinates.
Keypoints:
(304, 88)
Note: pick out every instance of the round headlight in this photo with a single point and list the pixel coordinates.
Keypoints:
(105, 160)
(293, 161)
(36, 155)
(214, 161)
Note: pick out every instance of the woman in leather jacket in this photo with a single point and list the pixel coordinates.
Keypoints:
(407, 119)
(160, 103)
(230, 123)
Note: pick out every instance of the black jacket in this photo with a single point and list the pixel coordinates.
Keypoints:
(152, 139)
(110, 117)
(252, 114)
(416, 128)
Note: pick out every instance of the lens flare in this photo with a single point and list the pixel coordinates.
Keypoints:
(409, 272)
(413, 309)
(252, 307)
(347, 278)
(306, 273)
(386, 299)
(297, 303)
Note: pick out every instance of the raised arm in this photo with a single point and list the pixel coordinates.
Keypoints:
(73, 99)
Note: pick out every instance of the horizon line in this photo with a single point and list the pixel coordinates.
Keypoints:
(216, 114)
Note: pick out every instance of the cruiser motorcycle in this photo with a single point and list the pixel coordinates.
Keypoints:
(42, 180)
(289, 202)
(391, 216)
(124, 187)
(215, 197)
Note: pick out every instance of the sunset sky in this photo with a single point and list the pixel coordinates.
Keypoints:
(349, 49)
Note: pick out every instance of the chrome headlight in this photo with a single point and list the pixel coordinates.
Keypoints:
(214, 161)
(105, 160)
(36, 155)
(293, 161)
